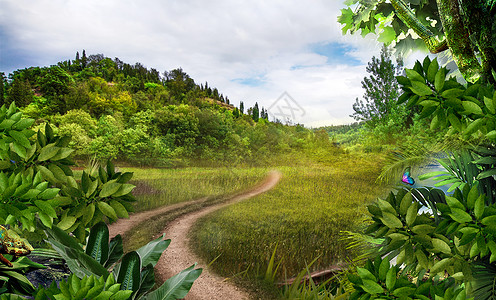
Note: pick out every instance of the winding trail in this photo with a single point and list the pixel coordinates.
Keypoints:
(179, 256)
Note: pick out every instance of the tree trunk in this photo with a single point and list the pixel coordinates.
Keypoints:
(458, 39)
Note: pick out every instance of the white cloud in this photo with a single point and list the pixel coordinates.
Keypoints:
(214, 41)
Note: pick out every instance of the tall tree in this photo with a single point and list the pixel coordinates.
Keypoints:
(84, 59)
(241, 107)
(466, 28)
(2, 88)
(381, 89)
(255, 114)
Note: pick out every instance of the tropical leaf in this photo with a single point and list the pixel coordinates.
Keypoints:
(129, 271)
(484, 275)
(98, 243)
(151, 252)
(175, 287)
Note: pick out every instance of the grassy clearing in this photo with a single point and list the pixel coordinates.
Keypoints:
(159, 187)
(303, 215)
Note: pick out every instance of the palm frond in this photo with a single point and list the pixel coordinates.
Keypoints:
(411, 156)
(466, 167)
(484, 285)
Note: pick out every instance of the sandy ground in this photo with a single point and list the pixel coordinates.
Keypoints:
(178, 256)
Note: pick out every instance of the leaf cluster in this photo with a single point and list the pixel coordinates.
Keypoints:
(89, 287)
(103, 259)
(466, 109)
(379, 280)
(36, 181)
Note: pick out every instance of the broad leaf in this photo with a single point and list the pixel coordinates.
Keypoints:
(129, 271)
(175, 287)
(151, 252)
(98, 243)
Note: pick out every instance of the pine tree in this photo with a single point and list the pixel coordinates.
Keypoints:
(381, 90)
(241, 107)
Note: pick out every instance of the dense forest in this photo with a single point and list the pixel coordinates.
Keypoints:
(112, 109)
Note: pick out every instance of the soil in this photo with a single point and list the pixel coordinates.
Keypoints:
(179, 256)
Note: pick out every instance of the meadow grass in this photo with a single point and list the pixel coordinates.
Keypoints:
(161, 187)
(303, 216)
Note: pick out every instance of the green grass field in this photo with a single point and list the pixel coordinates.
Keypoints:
(158, 187)
(303, 216)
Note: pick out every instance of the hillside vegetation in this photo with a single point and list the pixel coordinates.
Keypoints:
(112, 109)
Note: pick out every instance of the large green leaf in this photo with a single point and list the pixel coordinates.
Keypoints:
(147, 281)
(48, 152)
(107, 210)
(151, 252)
(20, 138)
(109, 189)
(175, 287)
(129, 271)
(72, 263)
(62, 237)
(460, 215)
(115, 250)
(371, 287)
(98, 243)
(420, 88)
(391, 220)
(91, 264)
(441, 246)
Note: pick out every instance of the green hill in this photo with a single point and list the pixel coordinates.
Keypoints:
(112, 109)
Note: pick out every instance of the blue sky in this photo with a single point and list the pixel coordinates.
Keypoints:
(252, 51)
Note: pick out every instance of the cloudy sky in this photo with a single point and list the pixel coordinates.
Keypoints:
(279, 53)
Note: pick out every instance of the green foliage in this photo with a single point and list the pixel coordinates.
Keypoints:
(177, 286)
(456, 237)
(467, 167)
(454, 242)
(88, 287)
(111, 109)
(13, 279)
(101, 194)
(468, 110)
(379, 280)
(131, 272)
(23, 197)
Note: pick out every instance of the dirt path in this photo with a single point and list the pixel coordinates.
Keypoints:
(178, 256)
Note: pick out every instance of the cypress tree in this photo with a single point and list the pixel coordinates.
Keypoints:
(255, 113)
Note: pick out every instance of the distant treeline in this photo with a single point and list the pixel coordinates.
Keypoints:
(340, 129)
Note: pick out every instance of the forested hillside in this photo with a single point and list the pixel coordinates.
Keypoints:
(112, 109)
